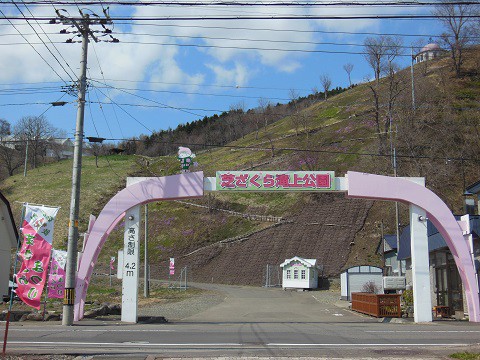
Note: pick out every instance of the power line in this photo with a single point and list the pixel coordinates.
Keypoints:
(257, 148)
(256, 40)
(125, 111)
(184, 109)
(162, 82)
(154, 101)
(33, 47)
(299, 4)
(199, 85)
(260, 17)
(51, 105)
(199, 93)
(263, 40)
(51, 42)
(270, 30)
(31, 103)
(235, 48)
(98, 98)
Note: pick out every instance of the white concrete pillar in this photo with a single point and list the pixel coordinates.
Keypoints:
(131, 263)
(422, 303)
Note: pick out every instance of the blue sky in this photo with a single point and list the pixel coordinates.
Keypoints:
(157, 86)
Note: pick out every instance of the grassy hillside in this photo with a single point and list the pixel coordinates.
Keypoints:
(438, 141)
(51, 185)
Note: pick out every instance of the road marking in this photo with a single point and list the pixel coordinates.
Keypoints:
(145, 344)
(365, 345)
(120, 344)
(93, 330)
(422, 331)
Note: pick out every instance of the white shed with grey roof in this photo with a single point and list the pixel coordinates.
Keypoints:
(299, 273)
(355, 278)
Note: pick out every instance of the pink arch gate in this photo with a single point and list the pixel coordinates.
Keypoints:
(422, 203)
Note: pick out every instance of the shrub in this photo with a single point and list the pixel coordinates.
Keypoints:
(370, 287)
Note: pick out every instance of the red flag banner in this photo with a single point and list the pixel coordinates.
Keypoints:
(37, 230)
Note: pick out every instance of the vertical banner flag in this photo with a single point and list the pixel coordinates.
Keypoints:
(37, 230)
(56, 276)
(172, 266)
(112, 261)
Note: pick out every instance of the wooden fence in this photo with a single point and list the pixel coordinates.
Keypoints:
(378, 305)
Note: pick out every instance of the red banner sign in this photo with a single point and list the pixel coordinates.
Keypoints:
(35, 251)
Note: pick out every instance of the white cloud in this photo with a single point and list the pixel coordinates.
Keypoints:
(228, 40)
(238, 75)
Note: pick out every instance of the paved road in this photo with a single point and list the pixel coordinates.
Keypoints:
(252, 322)
(245, 304)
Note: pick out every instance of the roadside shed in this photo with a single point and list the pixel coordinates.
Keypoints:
(355, 278)
(8, 240)
(299, 273)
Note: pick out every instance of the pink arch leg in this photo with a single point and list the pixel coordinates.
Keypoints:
(187, 185)
(369, 186)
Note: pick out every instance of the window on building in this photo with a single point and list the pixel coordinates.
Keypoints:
(289, 274)
(295, 274)
(303, 275)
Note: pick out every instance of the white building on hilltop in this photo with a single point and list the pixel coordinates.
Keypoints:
(429, 52)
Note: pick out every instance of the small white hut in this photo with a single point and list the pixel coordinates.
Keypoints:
(300, 273)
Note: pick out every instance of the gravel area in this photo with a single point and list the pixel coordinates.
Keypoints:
(329, 297)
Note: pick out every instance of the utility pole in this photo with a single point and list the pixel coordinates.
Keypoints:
(393, 151)
(146, 272)
(82, 25)
(26, 160)
(397, 223)
(413, 81)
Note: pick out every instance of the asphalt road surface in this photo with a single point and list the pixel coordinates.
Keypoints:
(250, 322)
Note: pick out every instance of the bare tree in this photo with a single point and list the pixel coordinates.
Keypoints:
(396, 85)
(455, 19)
(295, 116)
(98, 149)
(305, 116)
(381, 50)
(36, 130)
(271, 139)
(326, 83)
(10, 158)
(293, 95)
(238, 111)
(380, 54)
(4, 129)
(264, 107)
(348, 69)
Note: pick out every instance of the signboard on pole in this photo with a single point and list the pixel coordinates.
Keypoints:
(172, 266)
(131, 262)
(275, 180)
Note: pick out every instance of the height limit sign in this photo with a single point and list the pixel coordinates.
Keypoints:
(131, 261)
